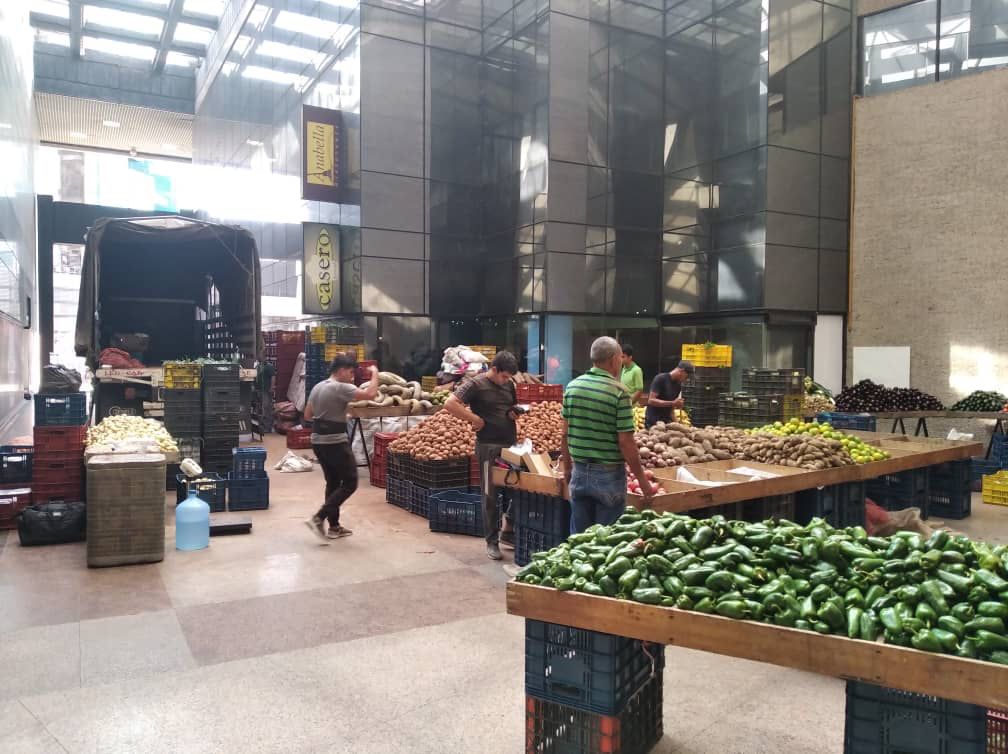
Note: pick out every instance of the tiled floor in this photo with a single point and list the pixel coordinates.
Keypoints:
(394, 640)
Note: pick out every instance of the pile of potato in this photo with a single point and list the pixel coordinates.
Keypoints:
(441, 437)
(675, 444)
(543, 425)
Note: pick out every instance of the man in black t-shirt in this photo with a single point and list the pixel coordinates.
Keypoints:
(666, 394)
(488, 402)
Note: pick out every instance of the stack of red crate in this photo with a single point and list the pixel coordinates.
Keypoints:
(58, 468)
(289, 345)
(379, 457)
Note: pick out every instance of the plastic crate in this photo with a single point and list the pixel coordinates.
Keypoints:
(219, 422)
(777, 381)
(729, 511)
(544, 513)
(949, 489)
(907, 489)
(249, 463)
(531, 393)
(529, 541)
(378, 470)
(212, 488)
(428, 383)
(448, 474)
(59, 439)
(218, 373)
(299, 439)
(182, 375)
(839, 420)
(999, 449)
(887, 721)
(997, 731)
(707, 354)
(43, 492)
(398, 492)
(775, 507)
(398, 465)
(979, 468)
(247, 494)
(488, 351)
(552, 728)
(12, 502)
(587, 669)
(456, 512)
(748, 411)
(221, 395)
(995, 488)
(66, 409)
(419, 504)
(841, 505)
(332, 349)
(190, 447)
(58, 467)
(16, 463)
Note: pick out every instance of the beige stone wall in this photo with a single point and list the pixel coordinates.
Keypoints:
(929, 243)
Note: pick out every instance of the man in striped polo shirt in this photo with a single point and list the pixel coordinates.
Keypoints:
(598, 440)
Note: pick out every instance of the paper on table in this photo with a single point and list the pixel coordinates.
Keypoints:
(684, 475)
(755, 473)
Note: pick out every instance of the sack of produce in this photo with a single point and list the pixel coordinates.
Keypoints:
(134, 342)
(59, 380)
(116, 358)
(52, 523)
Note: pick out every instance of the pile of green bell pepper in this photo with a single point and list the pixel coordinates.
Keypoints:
(940, 594)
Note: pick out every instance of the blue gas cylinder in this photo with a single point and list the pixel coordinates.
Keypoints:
(192, 523)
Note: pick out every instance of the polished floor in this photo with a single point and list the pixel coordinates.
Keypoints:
(392, 640)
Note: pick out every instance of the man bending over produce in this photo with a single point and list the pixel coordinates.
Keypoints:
(598, 440)
(326, 409)
(488, 402)
(666, 394)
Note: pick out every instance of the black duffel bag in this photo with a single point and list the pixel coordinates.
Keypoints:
(57, 379)
(52, 523)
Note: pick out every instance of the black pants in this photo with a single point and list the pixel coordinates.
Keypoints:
(340, 469)
(486, 455)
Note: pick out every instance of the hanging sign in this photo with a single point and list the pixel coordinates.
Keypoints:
(320, 150)
(320, 278)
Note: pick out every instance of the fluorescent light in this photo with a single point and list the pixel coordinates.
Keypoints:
(117, 19)
(58, 38)
(194, 34)
(253, 143)
(181, 59)
(77, 135)
(120, 49)
(311, 26)
(54, 8)
(277, 77)
(273, 49)
(111, 123)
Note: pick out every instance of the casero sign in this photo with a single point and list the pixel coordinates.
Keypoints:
(320, 287)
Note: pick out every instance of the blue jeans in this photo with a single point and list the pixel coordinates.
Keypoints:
(598, 494)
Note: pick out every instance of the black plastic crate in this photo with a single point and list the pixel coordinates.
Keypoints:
(587, 669)
(183, 426)
(221, 422)
(981, 467)
(398, 492)
(888, 721)
(218, 373)
(419, 500)
(211, 488)
(950, 489)
(448, 474)
(999, 449)
(907, 489)
(529, 541)
(775, 507)
(16, 463)
(730, 511)
(840, 420)
(248, 494)
(178, 397)
(773, 381)
(552, 728)
(841, 505)
(249, 463)
(545, 513)
(457, 512)
(64, 409)
(398, 465)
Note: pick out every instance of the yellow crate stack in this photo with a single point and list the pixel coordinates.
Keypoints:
(995, 488)
(707, 354)
(331, 349)
(182, 375)
(793, 406)
(428, 383)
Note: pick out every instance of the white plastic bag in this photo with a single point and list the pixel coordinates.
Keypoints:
(956, 435)
(294, 463)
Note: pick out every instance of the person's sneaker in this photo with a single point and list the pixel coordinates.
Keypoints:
(507, 540)
(315, 524)
(493, 551)
(337, 532)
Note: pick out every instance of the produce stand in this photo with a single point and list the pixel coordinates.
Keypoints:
(1000, 418)
(940, 675)
(151, 376)
(376, 412)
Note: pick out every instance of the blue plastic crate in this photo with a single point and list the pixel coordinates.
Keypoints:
(981, 467)
(841, 505)
(999, 449)
(907, 489)
(950, 489)
(839, 420)
(398, 492)
(248, 463)
(545, 513)
(16, 463)
(529, 541)
(64, 409)
(457, 512)
(585, 669)
(211, 488)
(887, 721)
(248, 494)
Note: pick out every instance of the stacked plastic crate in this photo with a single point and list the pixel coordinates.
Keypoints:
(15, 482)
(60, 432)
(183, 411)
(221, 397)
(788, 385)
(950, 489)
(248, 484)
(997, 461)
(701, 394)
(590, 692)
(540, 522)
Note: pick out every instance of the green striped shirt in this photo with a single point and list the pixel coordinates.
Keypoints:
(596, 408)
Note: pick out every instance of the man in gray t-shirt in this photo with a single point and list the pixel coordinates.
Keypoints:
(326, 409)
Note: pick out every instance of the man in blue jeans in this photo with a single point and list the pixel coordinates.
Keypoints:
(598, 440)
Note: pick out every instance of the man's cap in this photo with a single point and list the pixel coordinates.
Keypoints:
(686, 366)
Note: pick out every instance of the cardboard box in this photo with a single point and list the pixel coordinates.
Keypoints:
(539, 463)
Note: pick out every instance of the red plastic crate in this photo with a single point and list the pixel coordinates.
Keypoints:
(997, 731)
(538, 393)
(290, 337)
(43, 492)
(474, 471)
(363, 373)
(299, 439)
(379, 457)
(12, 502)
(59, 439)
(51, 468)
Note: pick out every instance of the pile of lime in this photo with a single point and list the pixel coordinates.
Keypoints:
(859, 450)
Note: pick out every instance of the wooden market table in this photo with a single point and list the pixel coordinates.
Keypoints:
(354, 415)
(940, 675)
(1000, 419)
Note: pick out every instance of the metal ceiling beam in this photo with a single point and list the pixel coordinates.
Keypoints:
(127, 7)
(119, 35)
(76, 24)
(168, 34)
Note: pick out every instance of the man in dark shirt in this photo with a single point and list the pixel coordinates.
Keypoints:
(666, 394)
(488, 402)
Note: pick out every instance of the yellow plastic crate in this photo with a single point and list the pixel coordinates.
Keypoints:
(793, 406)
(331, 349)
(488, 351)
(317, 334)
(704, 355)
(182, 375)
(995, 488)
(428, 383)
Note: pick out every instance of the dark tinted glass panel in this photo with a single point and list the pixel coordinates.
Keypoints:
(575, 282)
(686, 284)
(792, 230)
(682, 244)
(974, 36)
(636, 120)
(743, 230)
(833, 267)
(632, 286)
(740, 187)
(835, 188)
(568, 82)
(687, 203)
(791, 278)
(392, 105)
(388, 243)
(392, 201)
(792, 179)
(741, 46)
(389, 23)
(837, 88)
(690, 88)
(898, 47)
(398, 288)
(740, 278)
(567, 237)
